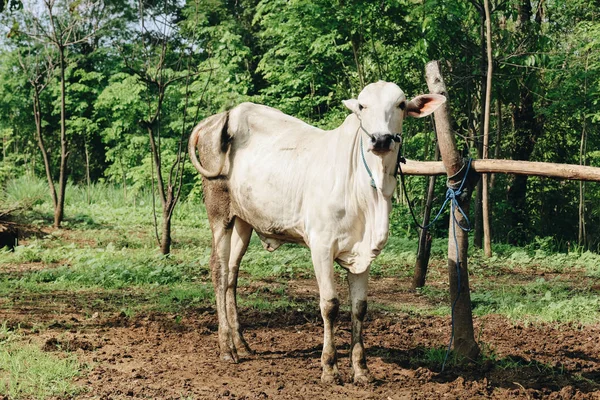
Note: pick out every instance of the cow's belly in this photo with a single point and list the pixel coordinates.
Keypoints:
(275, 219)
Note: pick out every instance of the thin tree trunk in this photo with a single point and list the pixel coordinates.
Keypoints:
(124, 177)
(497, 142)
(37, 115)
(165, 239)
(424, 250)
(458, 243)
(87, 172)
(478, 224)
(359, 69)
(64, 153)
(527, 131)
(582, 237)
(487, 242)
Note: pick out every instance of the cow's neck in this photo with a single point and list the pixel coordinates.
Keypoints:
(375, 203)
(374, 172)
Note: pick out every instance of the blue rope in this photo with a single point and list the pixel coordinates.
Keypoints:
(396, 138)
(362, 153)
(452, 196)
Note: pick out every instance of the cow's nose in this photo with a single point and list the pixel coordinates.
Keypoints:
(381, 142)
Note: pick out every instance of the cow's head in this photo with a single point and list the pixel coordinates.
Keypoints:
(381, 108)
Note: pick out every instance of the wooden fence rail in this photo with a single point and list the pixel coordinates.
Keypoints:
(550, 170)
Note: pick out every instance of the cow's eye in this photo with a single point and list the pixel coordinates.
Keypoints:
(402, 105)
(361, 107)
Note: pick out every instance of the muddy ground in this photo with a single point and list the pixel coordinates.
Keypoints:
(161, 356)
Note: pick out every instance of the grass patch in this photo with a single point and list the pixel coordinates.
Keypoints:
(541, 300)
(108, 252)
(290, 261)
(28, 372)
(263, 303)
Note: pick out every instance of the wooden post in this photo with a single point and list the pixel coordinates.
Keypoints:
(460, 296)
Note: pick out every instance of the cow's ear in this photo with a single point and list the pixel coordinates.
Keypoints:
(352, 105)
(424, 105)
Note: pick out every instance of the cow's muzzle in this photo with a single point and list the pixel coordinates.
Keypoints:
(382, 142)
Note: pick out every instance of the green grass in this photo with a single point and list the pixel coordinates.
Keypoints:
(108, 247)
(27, 372)
(25, 191)
(540, 300)
(106, 261)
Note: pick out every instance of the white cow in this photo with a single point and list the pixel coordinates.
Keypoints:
(292, 182)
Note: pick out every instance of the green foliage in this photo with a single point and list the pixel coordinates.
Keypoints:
(304, 57)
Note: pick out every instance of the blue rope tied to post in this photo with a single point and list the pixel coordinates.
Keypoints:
(452, 196)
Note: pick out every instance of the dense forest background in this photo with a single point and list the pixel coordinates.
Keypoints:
(107, 91)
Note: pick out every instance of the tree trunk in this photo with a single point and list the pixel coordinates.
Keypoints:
(582, 236)
(487, 242)
(478, 223)
(123, 176)
(165, 239)
(37, 116)
(424, 250)
(460, 296)
(359, 69)
(527, 131)
(497, 142)
(64, 153)
(87, 173)
(478, 217)
(423, 255)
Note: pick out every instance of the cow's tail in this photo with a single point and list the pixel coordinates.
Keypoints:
(213, 133)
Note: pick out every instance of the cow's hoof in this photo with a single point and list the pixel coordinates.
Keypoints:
(242, 348)
(245, 352)
(331, 378)
(230, 357)
(363, 379)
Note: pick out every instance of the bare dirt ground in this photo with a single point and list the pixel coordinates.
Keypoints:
(161, 356)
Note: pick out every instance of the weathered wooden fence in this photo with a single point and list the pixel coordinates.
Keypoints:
(453, 165)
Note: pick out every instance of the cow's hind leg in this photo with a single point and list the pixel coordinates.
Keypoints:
(330, 306)
(358, 296)
(240, 238)
(219, 264)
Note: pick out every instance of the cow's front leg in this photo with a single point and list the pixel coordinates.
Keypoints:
(219, 264)
(358, 296)
(330, 306)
